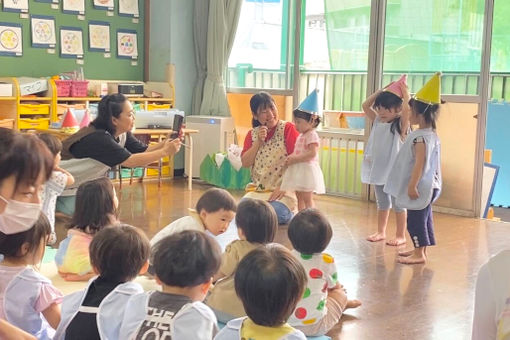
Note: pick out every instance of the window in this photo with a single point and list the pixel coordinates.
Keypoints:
(262, 46)
(423, 37)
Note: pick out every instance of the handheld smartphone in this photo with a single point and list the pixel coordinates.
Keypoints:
(176, 128)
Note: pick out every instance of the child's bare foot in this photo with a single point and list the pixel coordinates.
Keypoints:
(406, 253)
(412, 260)
(396, 241)
(353, 304)
(376, 237)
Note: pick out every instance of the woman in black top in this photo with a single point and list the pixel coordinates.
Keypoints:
(107, 142)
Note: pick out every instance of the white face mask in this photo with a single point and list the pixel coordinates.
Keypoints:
(18, 216)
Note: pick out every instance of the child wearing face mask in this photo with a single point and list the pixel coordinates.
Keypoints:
(28, 300)
(388, 110)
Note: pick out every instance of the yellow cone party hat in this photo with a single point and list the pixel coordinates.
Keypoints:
(430, 93)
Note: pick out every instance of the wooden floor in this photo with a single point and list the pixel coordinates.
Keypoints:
(434, 301)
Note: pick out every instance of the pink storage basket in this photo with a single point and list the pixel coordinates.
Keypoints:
(63, 87)
(79, 88)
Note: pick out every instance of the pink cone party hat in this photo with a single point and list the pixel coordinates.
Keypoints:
(85, 120)
(395, 86)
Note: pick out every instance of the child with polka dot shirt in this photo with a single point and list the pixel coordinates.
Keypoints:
(324, 299)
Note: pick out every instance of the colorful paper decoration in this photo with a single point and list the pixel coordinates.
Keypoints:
(104, 4)
(73, 6)
(43, 31)
(127, 44)
(15, 5)
(99, 36)
(71, 42)
(11, 42)
(129, 8)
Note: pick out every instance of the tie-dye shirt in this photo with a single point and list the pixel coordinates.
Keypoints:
(73, 253)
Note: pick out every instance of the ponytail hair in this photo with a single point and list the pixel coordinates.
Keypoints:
(430, 112)
(110, 106)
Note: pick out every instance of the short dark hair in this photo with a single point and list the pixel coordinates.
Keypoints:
(430, 112)
(390, 101)
(109, 106)
(186, 259)
(310, 232)
(119, 252)
(270, 281)
(260, 100)
(10, 245)
(52, 142)
(215, 199)
(25, 156)
(297, 113)
(257, 219)
(94, 205)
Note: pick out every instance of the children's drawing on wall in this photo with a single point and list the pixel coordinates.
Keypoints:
(43, 31)
(104, 4)
(73, 6)
(129, 7)
(99, 36)
(15, 5)
(126, 44)
(11, 43)
(71, 42)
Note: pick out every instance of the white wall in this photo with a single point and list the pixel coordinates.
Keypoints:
(171, 41)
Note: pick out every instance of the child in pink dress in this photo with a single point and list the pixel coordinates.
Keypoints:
(303, 174)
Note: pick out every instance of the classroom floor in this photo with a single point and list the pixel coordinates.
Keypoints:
(433, 301)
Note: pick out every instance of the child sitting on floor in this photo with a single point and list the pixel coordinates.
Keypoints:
(269, 281)
(256, 225)
(59, 180)
(28, 300)
(118, 254)
(324, 300)
(96, 208)
(214, 211)
(184, 264)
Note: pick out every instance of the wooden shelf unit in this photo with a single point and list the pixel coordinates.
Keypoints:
(38, 112)
(28, 112)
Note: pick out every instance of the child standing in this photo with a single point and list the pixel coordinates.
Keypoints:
(184, 264)
(389, 129)
(256, 225)
(269, 281)
(28, 300)
(118, 254)
(59, 180)
(415, 179)
(214, 211)
(96, 208)
(303, 174)
(324, 300)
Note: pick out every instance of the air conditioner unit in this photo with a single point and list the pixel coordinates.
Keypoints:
(215, 135)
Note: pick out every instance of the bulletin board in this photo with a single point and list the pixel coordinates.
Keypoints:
(39, 60)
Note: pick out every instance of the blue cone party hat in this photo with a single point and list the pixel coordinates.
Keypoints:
(311, 104)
